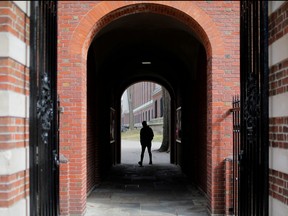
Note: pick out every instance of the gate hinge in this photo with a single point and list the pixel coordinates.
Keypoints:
(60, 108)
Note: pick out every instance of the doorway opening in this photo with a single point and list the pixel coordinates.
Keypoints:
(144, 52)
(112, 57)
(150, 102)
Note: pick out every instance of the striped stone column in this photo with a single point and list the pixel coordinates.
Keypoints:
(278, 108)
(14, 108)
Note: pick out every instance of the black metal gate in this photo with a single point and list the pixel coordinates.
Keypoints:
(236, 106)
(44, 171)
(253, 178)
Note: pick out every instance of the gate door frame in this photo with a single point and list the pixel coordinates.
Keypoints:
(43, 119)
(254, 73)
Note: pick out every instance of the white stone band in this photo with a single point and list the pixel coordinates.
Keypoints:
(13, 47)
(24, 6)
(278, 51)
(19, 208)
(277, 208)
(14, 160)
(278, 159)
(13, 104)
(274, 5)
(278, 105)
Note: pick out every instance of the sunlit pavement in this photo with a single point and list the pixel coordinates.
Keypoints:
(160, 189)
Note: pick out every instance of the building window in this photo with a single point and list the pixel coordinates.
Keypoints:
(155, 109)
(161, 107)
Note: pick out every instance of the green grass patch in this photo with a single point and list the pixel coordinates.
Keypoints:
(135, 135)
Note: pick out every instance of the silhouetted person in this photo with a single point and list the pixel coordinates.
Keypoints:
(146, 136)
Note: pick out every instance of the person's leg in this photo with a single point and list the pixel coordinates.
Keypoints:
(150, 153)
(142, 155)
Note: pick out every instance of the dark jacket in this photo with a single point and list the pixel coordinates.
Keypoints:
(146, 135)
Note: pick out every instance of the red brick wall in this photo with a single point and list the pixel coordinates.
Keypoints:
(278, 185)
(278, 132)
(278, 136)
(278, 25)
(278, 78)
(14, 78)
(15, 20)
(217, 26)
(13, 188)
(229, 186)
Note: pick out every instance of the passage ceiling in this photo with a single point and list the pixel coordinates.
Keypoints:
(168, 44)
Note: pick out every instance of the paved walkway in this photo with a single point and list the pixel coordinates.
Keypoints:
(160, 189)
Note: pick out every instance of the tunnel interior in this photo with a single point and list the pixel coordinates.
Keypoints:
(178, 62)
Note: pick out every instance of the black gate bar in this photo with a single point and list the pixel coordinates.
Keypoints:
(44, 172)
(253, 177)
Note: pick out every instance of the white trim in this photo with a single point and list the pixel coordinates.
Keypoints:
(278, 50)
(278, 105)
(19, 208)
(13, 161)
(278, 159)
(143, 106)
(28, 8)
(273, 6)
(13, 47)
(27, 55)
(14, 104)
(157, 89)
(277, 208)
(24, 6)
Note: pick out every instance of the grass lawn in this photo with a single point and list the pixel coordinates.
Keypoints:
(135, 135)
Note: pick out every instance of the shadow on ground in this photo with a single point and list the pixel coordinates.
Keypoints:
(160, 189)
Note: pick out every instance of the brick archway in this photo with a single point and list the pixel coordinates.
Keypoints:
(188, 13)
(72, 91)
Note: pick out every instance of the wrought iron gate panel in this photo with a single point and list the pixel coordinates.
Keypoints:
(253, 157)
(236, 106)
(44, 171)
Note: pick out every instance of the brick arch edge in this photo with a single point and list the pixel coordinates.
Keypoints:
(188, 13)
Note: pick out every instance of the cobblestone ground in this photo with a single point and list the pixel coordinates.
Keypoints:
(160, 189)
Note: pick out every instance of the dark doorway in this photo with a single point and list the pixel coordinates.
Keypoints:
(136, 100)
(140, 47)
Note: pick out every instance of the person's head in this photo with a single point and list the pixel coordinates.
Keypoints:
(144, 123)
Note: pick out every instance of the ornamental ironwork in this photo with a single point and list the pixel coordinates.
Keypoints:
(45, 108)
(251, 105)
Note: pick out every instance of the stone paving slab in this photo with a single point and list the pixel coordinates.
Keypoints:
(157, 190)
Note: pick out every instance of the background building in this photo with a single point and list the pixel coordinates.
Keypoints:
(147, 104)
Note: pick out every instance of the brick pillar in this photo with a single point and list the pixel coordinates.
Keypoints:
(14, 108)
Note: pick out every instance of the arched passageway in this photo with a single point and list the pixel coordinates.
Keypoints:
(109, 54)
(118, 56)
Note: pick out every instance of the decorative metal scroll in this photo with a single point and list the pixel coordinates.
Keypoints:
(45, 107)
(251, 105)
